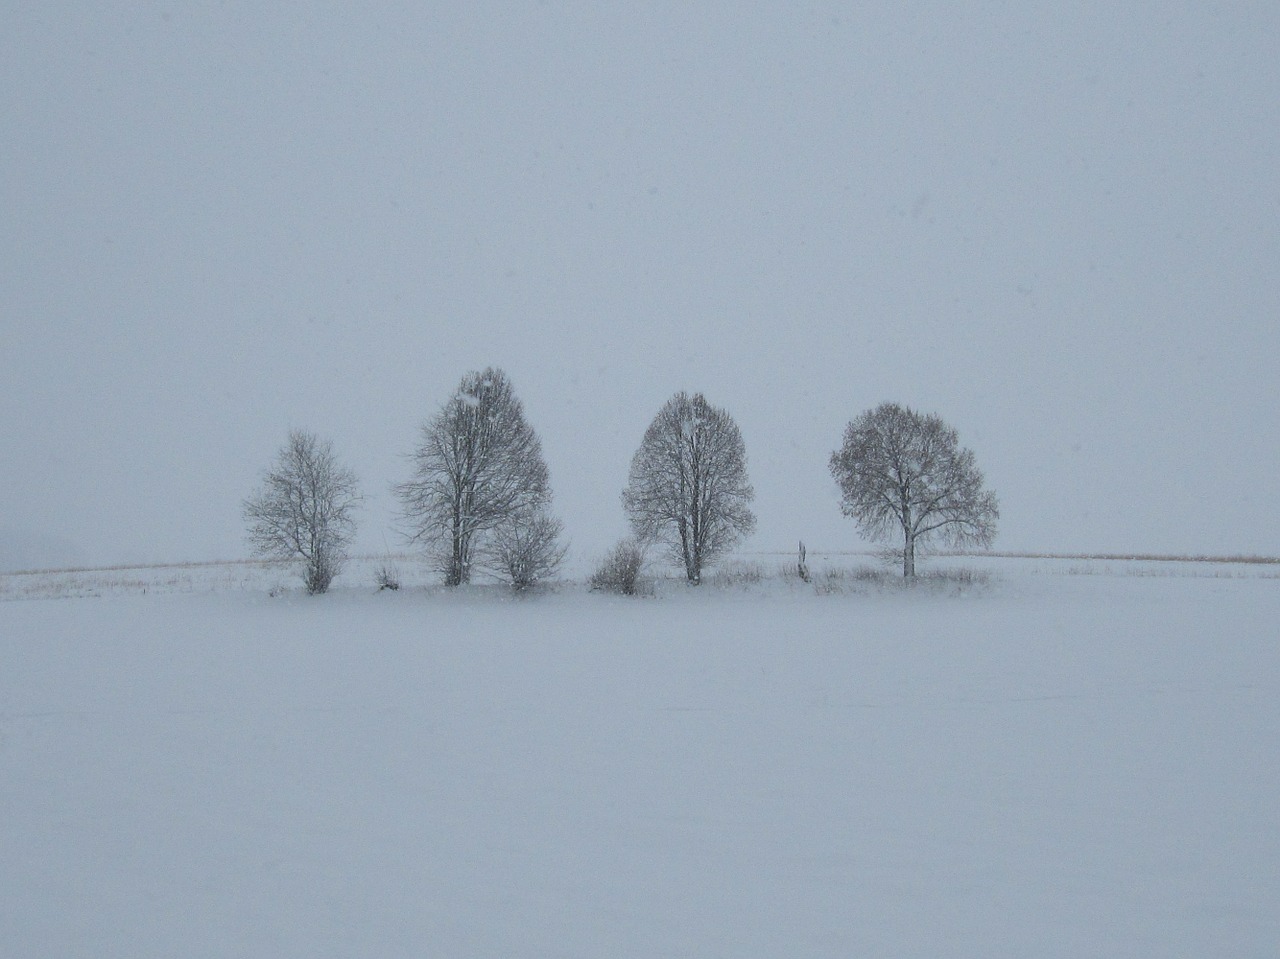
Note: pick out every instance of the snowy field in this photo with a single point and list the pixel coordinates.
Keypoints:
(1048, 758)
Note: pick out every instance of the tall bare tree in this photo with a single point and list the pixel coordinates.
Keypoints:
(305, 509)
(903, 471)
(688, 485)
(478, 465)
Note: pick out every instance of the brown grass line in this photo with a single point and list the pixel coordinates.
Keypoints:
(1134, 557)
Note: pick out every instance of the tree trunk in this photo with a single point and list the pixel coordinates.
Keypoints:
(456, 574)
(908, 534)
(688, 549)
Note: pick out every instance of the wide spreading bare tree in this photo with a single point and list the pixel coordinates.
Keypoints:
(903, 471)
(477, 467)
(688, 485)
(305, 509)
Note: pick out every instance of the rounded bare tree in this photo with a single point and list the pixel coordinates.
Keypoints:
(305, 509)
(478, 471)
(688, 486)
(904, 472)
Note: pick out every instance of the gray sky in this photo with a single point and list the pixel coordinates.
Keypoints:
(1058, 228)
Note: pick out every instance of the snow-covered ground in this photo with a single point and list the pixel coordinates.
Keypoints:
(1069, 759)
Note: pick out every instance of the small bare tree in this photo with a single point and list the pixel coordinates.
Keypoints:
(688, 486)
(478, 466)
(305, 509)
(525, 550)
(899, 470)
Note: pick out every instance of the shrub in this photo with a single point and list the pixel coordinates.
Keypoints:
(526, 550)
(619, 571)
(387, 577)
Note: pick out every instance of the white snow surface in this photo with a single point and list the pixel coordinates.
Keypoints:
(1045, 764)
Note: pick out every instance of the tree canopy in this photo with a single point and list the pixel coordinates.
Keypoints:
(478, 465)
(903, 471)
(305, 509)
(688, 484)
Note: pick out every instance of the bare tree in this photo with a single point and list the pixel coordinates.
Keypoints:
(479, 464)
(899, 470)
(688, 486)
(525, 550)
(304, 509)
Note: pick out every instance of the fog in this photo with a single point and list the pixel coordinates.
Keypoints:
(1056, 229)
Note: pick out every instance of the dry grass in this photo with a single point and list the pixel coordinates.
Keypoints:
(737, 574)
(1239, 558)
(865, 578)
(245, 575)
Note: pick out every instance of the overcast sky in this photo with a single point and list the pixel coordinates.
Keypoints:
(1057, 226)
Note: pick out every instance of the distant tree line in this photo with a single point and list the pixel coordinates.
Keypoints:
(479, 497)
